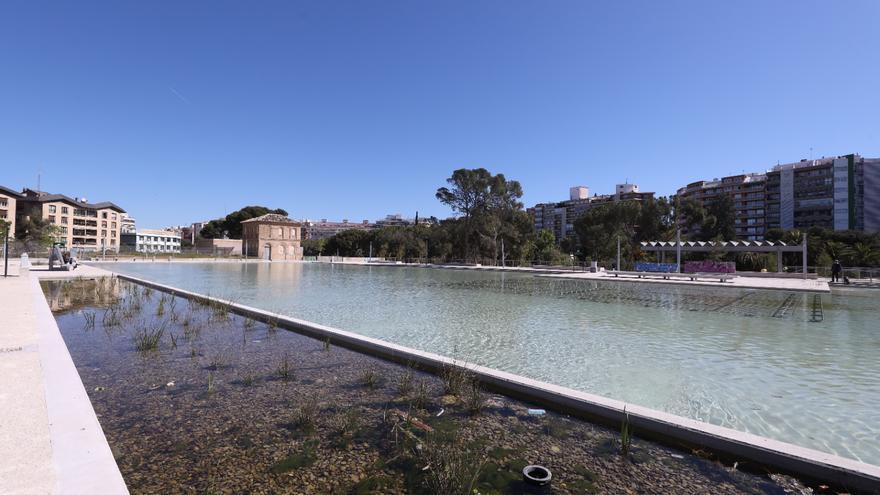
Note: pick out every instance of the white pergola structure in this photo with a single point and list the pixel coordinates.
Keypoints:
(777, 247)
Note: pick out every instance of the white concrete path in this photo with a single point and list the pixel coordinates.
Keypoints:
(50, 439)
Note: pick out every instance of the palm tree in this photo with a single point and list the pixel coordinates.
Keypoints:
(864, 254)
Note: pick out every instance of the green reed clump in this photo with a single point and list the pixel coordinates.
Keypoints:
(455, 379)
(112, 317)
(284, 370)
(370, 378)
(626, 435)
(304, 415)
(420, 397)
(90, 319)
(474, 398)
(327, 344)
(405, 383)
(147, 339)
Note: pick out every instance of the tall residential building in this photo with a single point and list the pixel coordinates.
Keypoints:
(8, 202)
(559, 217)
(83, 225)
(748, 192)
(836, 193)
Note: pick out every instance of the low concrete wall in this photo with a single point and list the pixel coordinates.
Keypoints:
(648, 423)
(82, 458)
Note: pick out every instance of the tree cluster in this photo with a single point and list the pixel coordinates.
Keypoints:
(632, 222)
(230, 226)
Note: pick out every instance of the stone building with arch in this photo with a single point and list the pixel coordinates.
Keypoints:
(272, 237)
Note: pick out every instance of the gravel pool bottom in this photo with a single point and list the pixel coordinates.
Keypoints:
(765, 362)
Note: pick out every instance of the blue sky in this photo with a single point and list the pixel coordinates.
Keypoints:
(183, 111)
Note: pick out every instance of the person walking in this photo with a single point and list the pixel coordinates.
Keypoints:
(836, 270)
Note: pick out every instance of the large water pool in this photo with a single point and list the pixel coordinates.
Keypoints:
(797, 367)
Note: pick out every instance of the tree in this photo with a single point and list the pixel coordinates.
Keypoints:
(35, 230)
(230, 226)
(490, 208)
(720, 222)
(4, 228)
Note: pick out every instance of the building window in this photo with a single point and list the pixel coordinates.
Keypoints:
(52, 218)
(64, 220)
(3, 202)
(113, 216)
(103, 233)
(104, 214)
(113, 225)
(51, 208)
(104, 225)
(113, 234)
(64, 210)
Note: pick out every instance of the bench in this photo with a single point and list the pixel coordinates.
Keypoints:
(722, 277)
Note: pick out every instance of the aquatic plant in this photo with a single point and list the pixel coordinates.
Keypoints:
(218, 359)
(173, 340)
(249, 323)
(405, 383)
(420, 398)
(304, 415)
(304, 458)
(211, 382)
(626, 434)
(454, 379)
(111, 317)
(346, 424)
(285, 368)
(370, 378)
(148, 338)
(448, 467)
(327, 344)
(90, 319)
(160, 309)
(474, 398)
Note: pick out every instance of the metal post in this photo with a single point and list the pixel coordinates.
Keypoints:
(678, 250)
(6, 253)
(618, 253)
(371, 251)
(804, 255)
(502, 252)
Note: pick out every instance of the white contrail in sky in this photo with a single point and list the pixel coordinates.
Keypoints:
(182, 98)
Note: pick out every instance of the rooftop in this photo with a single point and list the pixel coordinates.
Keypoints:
(271, 218)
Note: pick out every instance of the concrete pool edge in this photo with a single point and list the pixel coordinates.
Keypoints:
(81, 456)
(648, 423)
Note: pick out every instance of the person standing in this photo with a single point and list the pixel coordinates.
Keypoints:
(836, 270)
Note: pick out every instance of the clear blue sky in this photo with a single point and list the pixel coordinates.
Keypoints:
(181, 110)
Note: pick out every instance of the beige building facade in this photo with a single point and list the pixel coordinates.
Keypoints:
(8, 202)
(83, 225)
(272, 237)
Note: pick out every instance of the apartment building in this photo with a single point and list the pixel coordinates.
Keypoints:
(835, 193)
(8, 202)
(83, 225)
(749, 195)
(559, 217)
(152, 241)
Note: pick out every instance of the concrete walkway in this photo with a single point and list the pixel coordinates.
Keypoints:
(771, 283)
(50, 438)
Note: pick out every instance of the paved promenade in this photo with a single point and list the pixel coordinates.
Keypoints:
(789, 284)
(50, 438)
